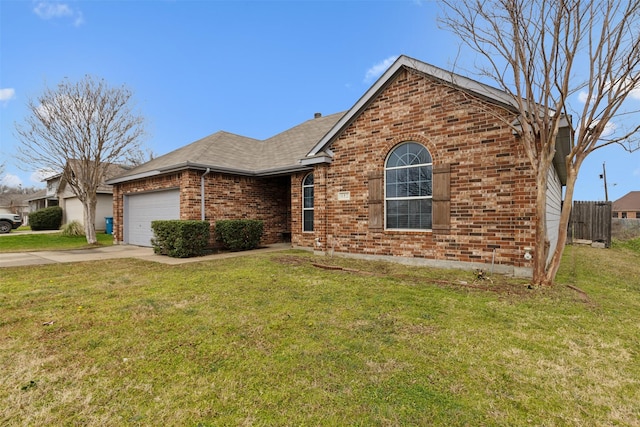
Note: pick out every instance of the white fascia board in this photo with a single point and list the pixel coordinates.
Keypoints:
(198, 166)
(308, 161)
(141, 175)
(282, 171)
(183, 166)
(243, 172)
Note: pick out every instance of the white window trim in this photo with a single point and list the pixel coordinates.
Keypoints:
(384, 184)
(304, 210)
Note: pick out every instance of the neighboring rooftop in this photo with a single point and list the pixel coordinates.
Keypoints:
(628, 202)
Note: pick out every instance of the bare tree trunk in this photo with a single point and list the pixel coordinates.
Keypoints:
(89, 214)
(565, 217)
(542, 243)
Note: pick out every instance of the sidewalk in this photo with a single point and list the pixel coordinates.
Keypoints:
(19, 232)
(19, 259)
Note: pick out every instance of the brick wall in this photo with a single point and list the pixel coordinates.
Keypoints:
(492, 186)
(226, 197)
(237, 197)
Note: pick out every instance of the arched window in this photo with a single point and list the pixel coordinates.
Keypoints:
(409, 188)
(307, 203)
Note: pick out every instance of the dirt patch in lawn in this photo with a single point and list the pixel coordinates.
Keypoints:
(291, 260)
(468, 281)
(476, 281)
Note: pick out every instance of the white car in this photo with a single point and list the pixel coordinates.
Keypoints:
(9, 222)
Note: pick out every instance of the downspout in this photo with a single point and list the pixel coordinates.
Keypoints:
(202, 216)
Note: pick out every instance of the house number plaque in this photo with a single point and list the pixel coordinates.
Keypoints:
(344, 195)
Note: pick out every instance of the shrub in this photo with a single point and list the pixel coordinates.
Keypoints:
(46, 219)
(73, 228)
(180, 239)
(239, 234)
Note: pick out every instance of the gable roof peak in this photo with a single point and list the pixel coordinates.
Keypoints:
(406, 62)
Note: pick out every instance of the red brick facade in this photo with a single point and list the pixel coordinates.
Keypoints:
(491, 184)
(490, 205)
(226, 197)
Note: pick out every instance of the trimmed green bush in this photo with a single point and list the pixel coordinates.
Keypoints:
(180, 239)
(46, 219)
(239, 234)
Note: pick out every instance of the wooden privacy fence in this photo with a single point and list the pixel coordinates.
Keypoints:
(591, 221)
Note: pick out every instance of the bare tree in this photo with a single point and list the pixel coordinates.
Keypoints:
(79, 129)
(542, 53)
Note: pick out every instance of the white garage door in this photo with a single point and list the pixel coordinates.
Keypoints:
(141, 209)
(73, 210)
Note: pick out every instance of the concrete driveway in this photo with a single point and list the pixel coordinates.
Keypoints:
(18, 259)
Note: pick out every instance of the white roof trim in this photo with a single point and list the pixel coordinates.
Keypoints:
(315, 160)
(187, 165)
(132, 177)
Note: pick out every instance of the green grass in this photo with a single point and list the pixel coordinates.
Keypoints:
(274, 340)
(632, 244)
(19, 242)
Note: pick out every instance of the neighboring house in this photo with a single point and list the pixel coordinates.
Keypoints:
(43, 199)
(628, 206)
(418, 171)
(59, 193)
(15, 204)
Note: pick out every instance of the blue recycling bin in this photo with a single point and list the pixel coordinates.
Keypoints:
(108, 225)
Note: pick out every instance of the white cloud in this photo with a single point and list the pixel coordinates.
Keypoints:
(609, 128)
(624, 86)
(42, 174)
(11, 180)
(7, 94)
(53, 10)
(583, 97)
(48, 10)
(379, 68)
(79, 19)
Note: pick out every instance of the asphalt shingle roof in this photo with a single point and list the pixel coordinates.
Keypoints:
(628, 202)
(224, 151)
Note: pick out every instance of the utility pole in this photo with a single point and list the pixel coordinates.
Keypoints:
(604, 176)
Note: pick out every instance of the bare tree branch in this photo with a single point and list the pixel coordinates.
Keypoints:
(79, 129)
(542, 53)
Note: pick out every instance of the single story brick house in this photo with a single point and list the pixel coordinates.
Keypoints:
(627, 206)
(424, 169)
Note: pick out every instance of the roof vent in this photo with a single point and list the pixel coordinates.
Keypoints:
(317, 115)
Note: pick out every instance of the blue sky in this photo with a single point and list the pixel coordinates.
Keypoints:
(251, 68)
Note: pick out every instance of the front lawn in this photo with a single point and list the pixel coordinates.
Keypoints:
(272, 339)
(22, 242)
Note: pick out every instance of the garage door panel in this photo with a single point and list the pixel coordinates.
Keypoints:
(142, 209)
(74, 211)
